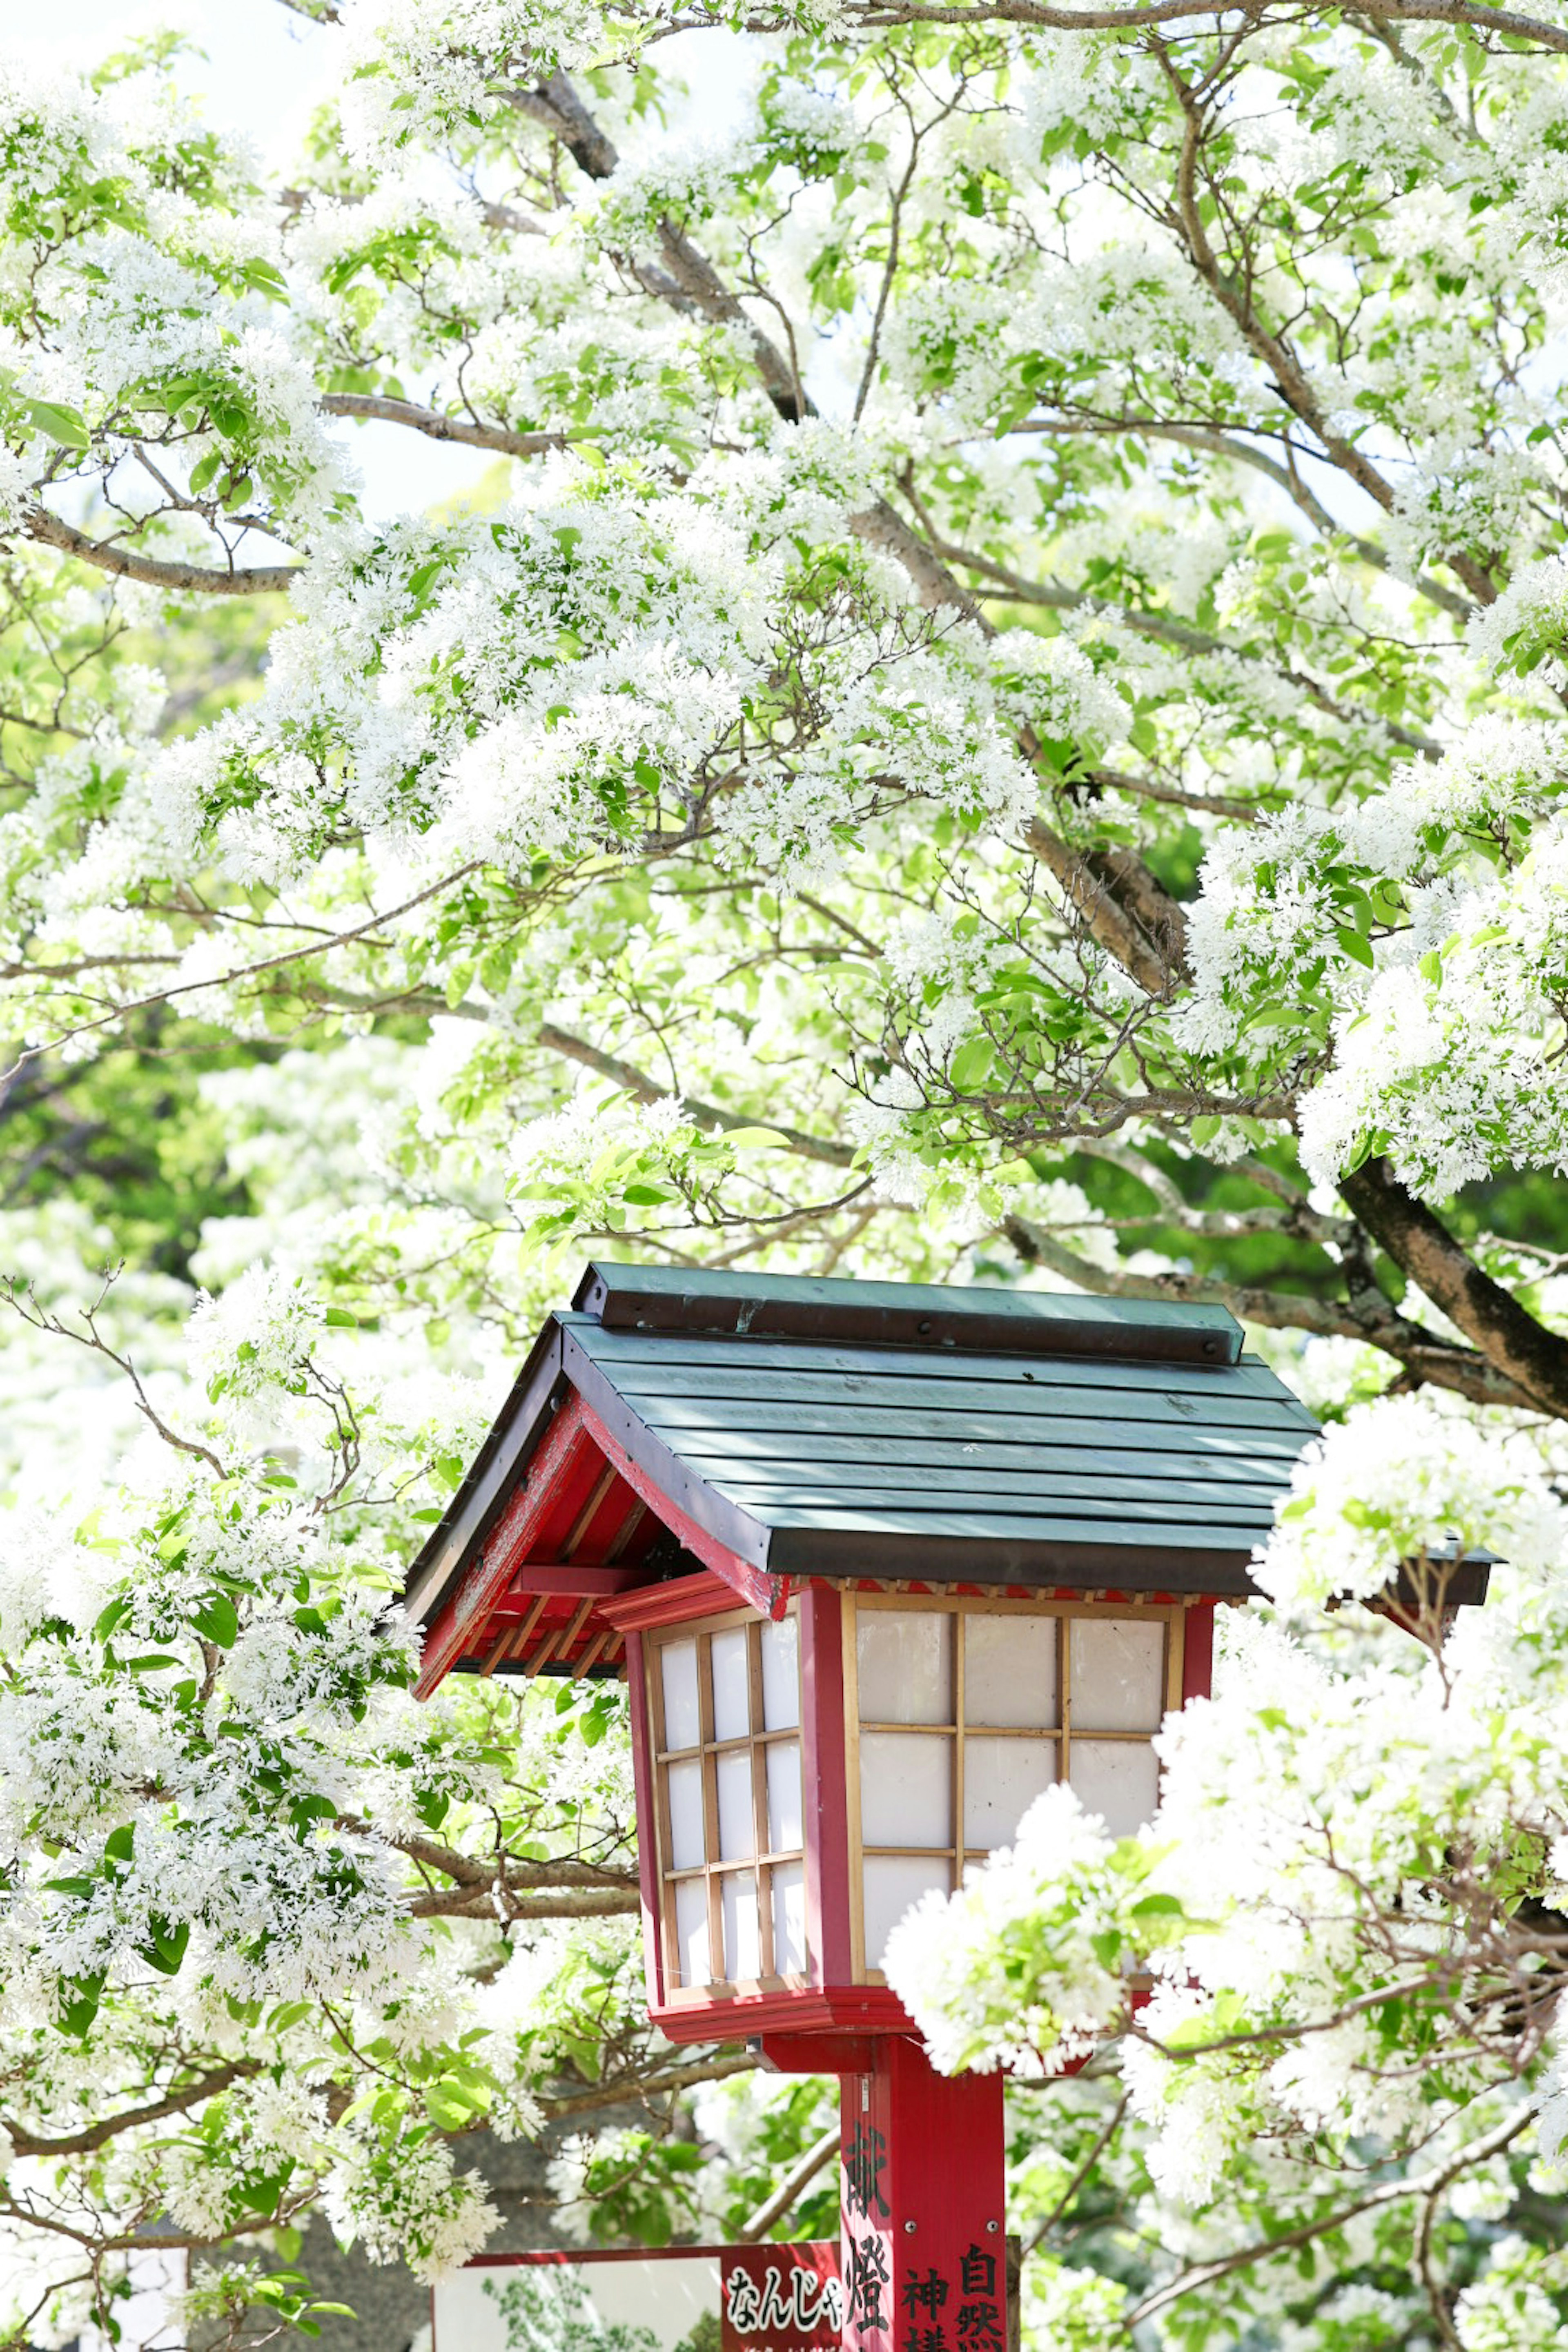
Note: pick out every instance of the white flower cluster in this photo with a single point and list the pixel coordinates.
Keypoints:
(414, 73)
(953, 1962)
(1444, 1028)
(257, 1335)
(417, 2208)
(1526, 622)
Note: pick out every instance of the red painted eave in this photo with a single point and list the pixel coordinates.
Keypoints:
(577, 1534)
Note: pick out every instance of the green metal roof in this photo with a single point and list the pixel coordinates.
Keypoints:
(816, 1454)
(900, 1430)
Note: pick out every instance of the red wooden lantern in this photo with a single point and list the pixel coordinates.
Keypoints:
(879, 1562)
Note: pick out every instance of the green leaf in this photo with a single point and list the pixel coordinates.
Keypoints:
(1355, 947)
(167, 1948)
(1156, 1906)
(114, 1615)
(1192, 2033)
(62, 424)
(972, 1066)
(218, 1620)
(78, 2012)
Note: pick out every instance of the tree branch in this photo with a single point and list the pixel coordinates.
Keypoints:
(1150, 788)
(573, 1048)
(1427, 1357)
(1118, 899)
(1292, 381)
(645, 1089)
(1531, 1358)
(20, 1300)
(1164, 629)
(692, 277)
(472, 1871)
(232, 979)
(678, 2078)
(500, 1903)
(438, 426)
(1420, 2184)
(799, 2176)
(98, 2135)
(156, 571)
(1478, 17)
(1239, 453)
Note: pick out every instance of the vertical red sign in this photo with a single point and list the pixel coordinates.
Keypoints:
(867, 2240)
(925, 2255)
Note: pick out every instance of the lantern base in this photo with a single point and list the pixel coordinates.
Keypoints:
(714, 2015)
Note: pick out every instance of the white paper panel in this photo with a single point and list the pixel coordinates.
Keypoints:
(685, 1851)
(1010, 1670)
(1117, 1777)
(1002, 1778)
(784, 1828)
(789, 1919)
(906, 1789)
(737, 1829)
(682, 1723)
(742, 1946)
(893, 1882)
(781, 1676)
(732, 1685)
(691, 1931)
(906, 1665)
(1117, 1674)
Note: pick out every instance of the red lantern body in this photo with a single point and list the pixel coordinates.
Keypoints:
(808, 1778)
(879, 1562)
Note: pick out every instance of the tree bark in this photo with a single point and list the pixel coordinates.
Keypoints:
(155, 571)
(1529, 1356)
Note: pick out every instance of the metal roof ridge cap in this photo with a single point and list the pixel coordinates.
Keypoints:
(979, 1347)
(621, 1276)
(628, 1273)
(980, 1320)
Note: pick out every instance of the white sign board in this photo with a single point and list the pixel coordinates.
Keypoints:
(579, 2302)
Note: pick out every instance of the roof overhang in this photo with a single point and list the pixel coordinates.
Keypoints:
(769, 1429)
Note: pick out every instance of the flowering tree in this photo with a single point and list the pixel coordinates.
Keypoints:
(998, 709)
